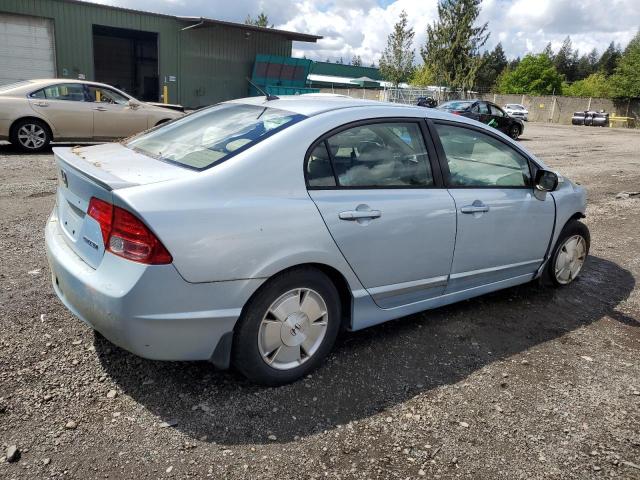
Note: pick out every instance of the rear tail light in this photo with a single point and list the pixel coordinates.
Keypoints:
(126, 236)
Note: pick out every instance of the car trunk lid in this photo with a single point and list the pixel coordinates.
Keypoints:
(98, 171)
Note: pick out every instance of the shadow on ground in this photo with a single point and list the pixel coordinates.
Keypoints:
(370, 370)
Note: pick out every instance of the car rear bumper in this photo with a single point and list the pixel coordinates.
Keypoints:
(149, 310)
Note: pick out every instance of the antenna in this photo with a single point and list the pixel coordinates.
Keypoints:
(267, 96)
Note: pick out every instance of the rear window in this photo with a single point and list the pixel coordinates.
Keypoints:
(455, 105)
(212, 135)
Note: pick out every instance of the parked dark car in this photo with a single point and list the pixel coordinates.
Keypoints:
(428, 102)
(485, 112)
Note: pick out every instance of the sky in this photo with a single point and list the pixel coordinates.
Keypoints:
(361, 27)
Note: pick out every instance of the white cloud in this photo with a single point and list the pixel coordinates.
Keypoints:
(361, 27)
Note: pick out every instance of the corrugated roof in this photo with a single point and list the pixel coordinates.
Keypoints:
(302, 37)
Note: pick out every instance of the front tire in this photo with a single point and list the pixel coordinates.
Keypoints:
(514, 131)
(569, 254)
(31, 135)
(288, 328)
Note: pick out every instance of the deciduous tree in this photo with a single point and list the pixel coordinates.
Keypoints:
(535, 75)
(625, 82)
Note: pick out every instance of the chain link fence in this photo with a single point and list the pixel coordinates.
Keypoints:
(543, 108)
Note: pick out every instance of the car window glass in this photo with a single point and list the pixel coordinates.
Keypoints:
(496, 111)
(483, 108)
(73, 92)
(319, 171)
(38, 94)
(475, 109)
(211, 135)
(381, 155)
(106, 95)
(479, 160)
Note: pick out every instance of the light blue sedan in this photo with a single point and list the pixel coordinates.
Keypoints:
(249, 233)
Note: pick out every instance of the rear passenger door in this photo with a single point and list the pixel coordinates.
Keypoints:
(499, 117)
(504, 226)
(65, 107)
(379, 191)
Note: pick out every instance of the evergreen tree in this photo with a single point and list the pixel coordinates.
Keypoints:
(609, 59)
(356, 61)
(548, 51)
(566, 60)
(626, 80)
(586, 65)
(396, 63)
(493, 63)
(453, 43)
(261, 20)
(513, 64)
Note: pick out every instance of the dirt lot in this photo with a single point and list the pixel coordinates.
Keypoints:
(527, 383)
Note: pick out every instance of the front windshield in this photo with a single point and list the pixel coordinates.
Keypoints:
(212, 135)
(455, 105)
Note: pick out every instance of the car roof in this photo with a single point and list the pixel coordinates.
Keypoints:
(38, 83)
(315, 104)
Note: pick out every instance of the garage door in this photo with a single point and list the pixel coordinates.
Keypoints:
(26, 48)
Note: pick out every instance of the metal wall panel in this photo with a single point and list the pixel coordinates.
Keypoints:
(209, 63)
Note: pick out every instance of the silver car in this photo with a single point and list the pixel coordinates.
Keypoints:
(517, 111)
(249, 233)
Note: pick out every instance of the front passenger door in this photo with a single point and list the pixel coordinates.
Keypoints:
(112, 115)
(504, 226)
(375, 188)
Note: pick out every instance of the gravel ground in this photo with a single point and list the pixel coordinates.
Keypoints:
(527, 383)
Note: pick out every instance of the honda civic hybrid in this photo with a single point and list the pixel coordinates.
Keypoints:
(252, 232)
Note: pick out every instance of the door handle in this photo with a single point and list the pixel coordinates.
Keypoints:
(359, 214)
(100, 109)
(41, 104)
(476, 207)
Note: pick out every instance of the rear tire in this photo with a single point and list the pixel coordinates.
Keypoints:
(569, 254)
(287, 328)
(514, 131)
(30, 135)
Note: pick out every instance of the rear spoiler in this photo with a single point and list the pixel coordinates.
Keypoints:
(73, 158)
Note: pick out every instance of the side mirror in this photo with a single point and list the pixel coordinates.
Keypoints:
(133, 104)
(546, 180)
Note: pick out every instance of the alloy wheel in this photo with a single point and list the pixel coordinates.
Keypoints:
(570, 259)
(293, 328)
(32, 136)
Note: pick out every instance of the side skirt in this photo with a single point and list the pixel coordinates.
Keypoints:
(366, 313)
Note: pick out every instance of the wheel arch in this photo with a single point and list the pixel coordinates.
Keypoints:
(30, 117)
(336, 277)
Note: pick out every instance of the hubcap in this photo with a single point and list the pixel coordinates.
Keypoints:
(293, 328)
(570, 259)
(32, 136)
